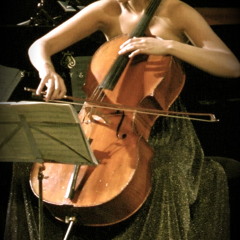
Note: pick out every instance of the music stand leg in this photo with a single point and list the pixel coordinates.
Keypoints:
(40, 203)
(71, 221)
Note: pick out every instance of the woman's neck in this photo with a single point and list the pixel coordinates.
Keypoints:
(137, 6)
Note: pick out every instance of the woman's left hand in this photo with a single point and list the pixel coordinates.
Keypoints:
(144, 45)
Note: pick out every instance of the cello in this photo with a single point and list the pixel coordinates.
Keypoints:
(120, 183)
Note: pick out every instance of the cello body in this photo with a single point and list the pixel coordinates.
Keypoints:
(118, 186)
(105, 194)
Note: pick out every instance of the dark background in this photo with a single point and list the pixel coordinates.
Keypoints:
(202, 92)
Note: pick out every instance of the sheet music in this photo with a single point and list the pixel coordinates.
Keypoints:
(55, 128)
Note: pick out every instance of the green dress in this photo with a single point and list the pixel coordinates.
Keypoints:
(188, 201)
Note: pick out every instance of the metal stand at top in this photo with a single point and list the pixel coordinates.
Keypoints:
(40, 18)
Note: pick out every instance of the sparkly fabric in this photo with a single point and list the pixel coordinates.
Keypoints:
(189, 198)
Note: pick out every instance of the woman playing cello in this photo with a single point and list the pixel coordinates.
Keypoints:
(185, 185)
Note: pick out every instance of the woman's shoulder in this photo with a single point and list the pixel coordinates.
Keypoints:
(179, 12)
(107, 3)
(106, 7)
(174, 6)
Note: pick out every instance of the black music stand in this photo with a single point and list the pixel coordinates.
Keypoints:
(71, 5)
(42, 132)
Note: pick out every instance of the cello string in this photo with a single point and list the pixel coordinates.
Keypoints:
(98, 95)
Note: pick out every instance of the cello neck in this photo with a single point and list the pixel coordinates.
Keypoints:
(119, 65)
(146, 18)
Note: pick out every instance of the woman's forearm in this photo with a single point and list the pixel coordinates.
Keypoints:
(40, 57)
(217, 62)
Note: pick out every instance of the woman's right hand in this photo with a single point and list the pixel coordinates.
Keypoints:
(54, 83)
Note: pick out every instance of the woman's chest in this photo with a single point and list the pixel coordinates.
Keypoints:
(158, 26)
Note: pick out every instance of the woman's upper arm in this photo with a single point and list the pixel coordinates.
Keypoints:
(76, 28)
(197, 29)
